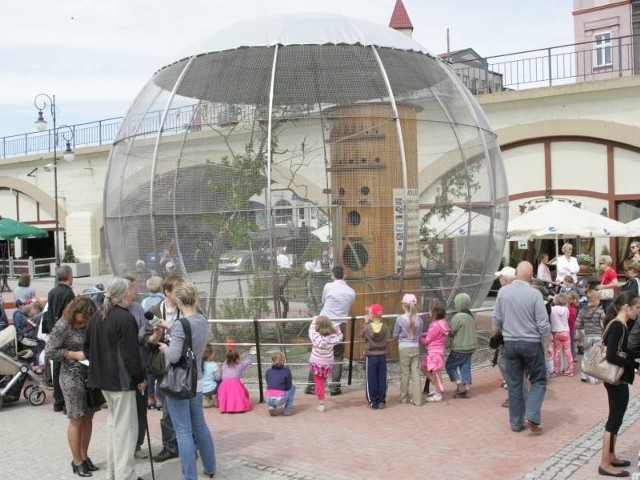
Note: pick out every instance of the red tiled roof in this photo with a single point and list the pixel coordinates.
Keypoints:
(400, 17)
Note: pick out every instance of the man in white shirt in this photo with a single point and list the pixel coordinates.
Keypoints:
(283, 260)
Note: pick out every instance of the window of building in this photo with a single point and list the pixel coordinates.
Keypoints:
(603, 50)
(283, 212)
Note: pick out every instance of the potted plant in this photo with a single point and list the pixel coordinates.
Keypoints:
(585, 261)
(69, 258)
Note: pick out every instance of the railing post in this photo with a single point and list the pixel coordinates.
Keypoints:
(549, 65)
(12, 267)
(100, 132)
(487, 88)
(351, 345)
(256, 338)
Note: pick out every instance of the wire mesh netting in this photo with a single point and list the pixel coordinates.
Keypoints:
(299, 157)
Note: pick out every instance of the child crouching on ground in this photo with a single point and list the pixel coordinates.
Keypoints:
(280, 387)
(324, 337)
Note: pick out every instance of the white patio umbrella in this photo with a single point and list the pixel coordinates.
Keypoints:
(634, 228)
(323, 233)
(559, 218)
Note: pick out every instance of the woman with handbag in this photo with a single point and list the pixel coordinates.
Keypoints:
(65, 346)
(608, 282)
(617, 323)
(186, 413)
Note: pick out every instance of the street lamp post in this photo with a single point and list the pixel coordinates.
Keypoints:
(41, 101)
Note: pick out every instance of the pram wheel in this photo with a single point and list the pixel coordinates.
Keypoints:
(27, 391)
(37, 397)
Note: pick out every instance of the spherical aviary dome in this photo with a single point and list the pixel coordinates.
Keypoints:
(280, 147)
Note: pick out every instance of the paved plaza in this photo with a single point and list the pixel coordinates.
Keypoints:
(458, 438)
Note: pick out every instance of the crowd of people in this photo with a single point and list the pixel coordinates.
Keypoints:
(105, 340)
(545, 325)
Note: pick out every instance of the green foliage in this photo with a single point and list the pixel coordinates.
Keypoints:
(460, 184)
(255, 307)
(69, 255)
(604, 250)
(516, 257)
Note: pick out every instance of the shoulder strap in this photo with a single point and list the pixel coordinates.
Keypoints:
(621, 336)
(186, 326)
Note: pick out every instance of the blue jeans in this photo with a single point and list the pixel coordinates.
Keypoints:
(522, 357)
(188, 421)
(459, 361)
(169, 441)
(286, 400)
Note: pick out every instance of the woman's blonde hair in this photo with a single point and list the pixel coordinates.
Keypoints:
(633, 265)
(411, 309)
(187, 293)
(324, 326)
(278, 359)
(606, 259)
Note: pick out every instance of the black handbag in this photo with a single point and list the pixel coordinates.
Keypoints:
(181, 378)
(95, 398)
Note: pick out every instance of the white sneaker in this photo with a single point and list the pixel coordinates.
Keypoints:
(436, 397)
(321, 407)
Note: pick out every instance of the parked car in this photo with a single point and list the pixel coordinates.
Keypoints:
(236, 261)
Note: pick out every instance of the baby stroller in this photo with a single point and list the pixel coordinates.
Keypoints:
(15, 371)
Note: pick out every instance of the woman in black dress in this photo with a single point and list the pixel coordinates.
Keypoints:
(65, 345)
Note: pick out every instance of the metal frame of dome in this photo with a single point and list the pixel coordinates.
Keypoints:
(293, 59)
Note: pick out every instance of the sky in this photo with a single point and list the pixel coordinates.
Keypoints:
(96, 55)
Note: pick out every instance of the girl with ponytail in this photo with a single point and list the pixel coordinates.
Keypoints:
(407, 330)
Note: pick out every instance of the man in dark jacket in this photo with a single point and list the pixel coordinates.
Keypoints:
(59, 297)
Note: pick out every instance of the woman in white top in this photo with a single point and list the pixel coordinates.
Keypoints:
(566, 264)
